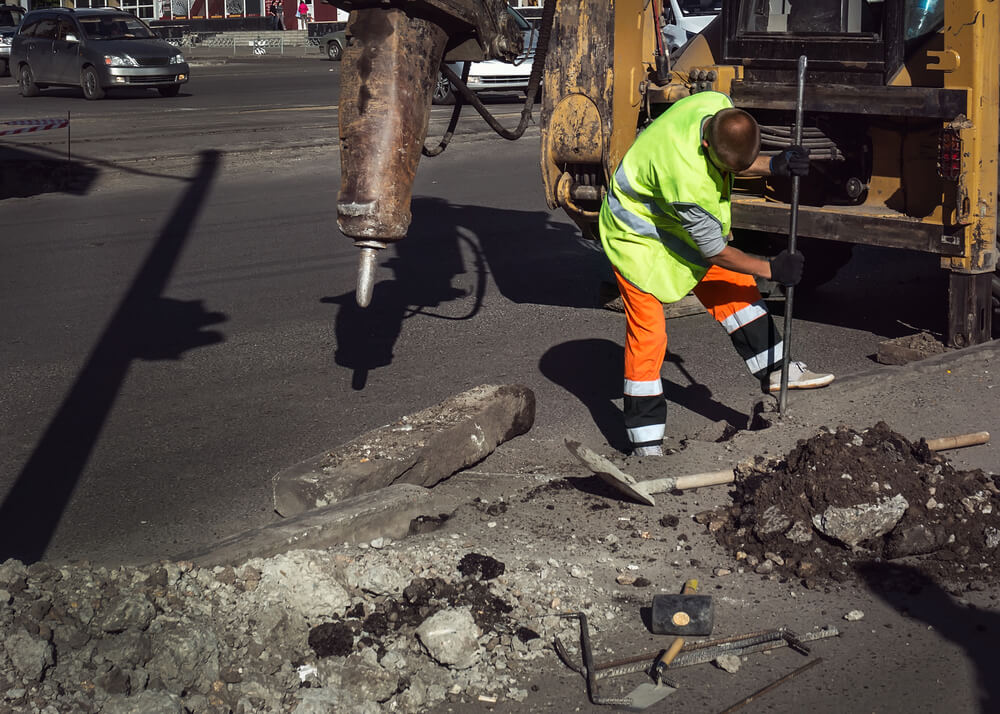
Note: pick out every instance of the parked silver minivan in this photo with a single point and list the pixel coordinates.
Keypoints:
(94, 49)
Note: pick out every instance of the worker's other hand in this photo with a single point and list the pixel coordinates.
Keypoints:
(786, 268)
(793, 161)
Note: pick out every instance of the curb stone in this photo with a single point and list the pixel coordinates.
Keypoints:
(384, 513)
(423, 448)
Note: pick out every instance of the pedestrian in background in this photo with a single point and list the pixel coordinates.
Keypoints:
(276, 11)
(303, 14)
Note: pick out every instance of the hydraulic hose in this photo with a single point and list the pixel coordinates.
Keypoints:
(537, 67)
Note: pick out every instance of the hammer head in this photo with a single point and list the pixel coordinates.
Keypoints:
(687, 615)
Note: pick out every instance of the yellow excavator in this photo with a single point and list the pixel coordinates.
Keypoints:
(901, 116)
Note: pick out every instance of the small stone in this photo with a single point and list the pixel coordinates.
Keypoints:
(556, 602)
(451, 637)
(577, 572)
(722, 572)
(800, 532)
(931, 504)
(625, 579)
(765, 568)
(854, 616)
(728, 662)
(774, 558)
(703, 517)
(805, 568)
(992, 537)
(772, 520)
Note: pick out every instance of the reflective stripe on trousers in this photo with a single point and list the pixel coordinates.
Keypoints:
(732, 299)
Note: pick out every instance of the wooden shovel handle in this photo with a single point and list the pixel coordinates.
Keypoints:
(955, 442)
(713, 478)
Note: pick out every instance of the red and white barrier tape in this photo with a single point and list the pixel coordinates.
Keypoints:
(25, 126)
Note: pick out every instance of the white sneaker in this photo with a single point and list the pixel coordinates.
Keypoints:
(799, 377)
(654, 450)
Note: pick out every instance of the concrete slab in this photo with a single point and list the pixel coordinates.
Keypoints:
(384, 513)
(422, 448)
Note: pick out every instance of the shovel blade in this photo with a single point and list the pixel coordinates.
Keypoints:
(609, 473)
(647, 694)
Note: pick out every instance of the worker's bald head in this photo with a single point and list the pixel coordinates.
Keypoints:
(734, 137)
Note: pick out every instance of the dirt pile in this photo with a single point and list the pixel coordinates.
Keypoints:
(846, 497)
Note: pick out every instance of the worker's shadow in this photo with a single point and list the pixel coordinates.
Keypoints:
(530, 259)
(914, 594)
(591, 370)
(698, 398)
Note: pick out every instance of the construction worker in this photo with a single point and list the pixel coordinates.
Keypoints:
(665, 226)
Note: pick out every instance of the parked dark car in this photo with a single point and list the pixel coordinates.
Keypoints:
(334, 43)
(94, 49)
(10, 18)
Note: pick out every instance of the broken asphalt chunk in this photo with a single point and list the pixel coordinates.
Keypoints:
(422, 448)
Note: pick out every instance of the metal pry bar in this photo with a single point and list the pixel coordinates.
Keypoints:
(702, 652)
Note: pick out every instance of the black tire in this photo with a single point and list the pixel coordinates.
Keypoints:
(334, 51)
(26, 82)
(171, 91)
(443, 91)
(90, 82)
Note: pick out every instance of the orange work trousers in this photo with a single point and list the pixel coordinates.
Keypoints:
(732, 299)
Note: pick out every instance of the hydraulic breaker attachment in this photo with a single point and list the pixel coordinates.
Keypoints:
(390, 68)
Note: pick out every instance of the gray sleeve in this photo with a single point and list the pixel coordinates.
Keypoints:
(703, 227)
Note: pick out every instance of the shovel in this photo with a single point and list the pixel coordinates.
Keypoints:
(641, 491)
(647, 694)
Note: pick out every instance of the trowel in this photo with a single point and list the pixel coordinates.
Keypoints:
(647, 694)
(642, 491)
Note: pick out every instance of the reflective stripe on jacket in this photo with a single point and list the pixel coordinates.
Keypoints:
(664, 172)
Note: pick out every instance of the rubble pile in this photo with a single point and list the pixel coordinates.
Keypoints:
(369, 628)
(846, 497)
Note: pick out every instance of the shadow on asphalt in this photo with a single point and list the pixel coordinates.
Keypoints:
(146, 326)
(530, 258)
(28, 172)
(915, 595)
(591, 370)
(698, 398)
(888, 292)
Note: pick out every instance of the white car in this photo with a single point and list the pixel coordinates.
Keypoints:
(494, 75)
(683, 19)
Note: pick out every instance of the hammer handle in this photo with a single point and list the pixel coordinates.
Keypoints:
(713, 478)
(667, 658)
(955, 442)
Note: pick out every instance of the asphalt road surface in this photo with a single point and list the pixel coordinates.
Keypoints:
(181, 324)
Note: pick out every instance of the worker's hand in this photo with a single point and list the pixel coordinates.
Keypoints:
(786, 268)
(793, 161)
